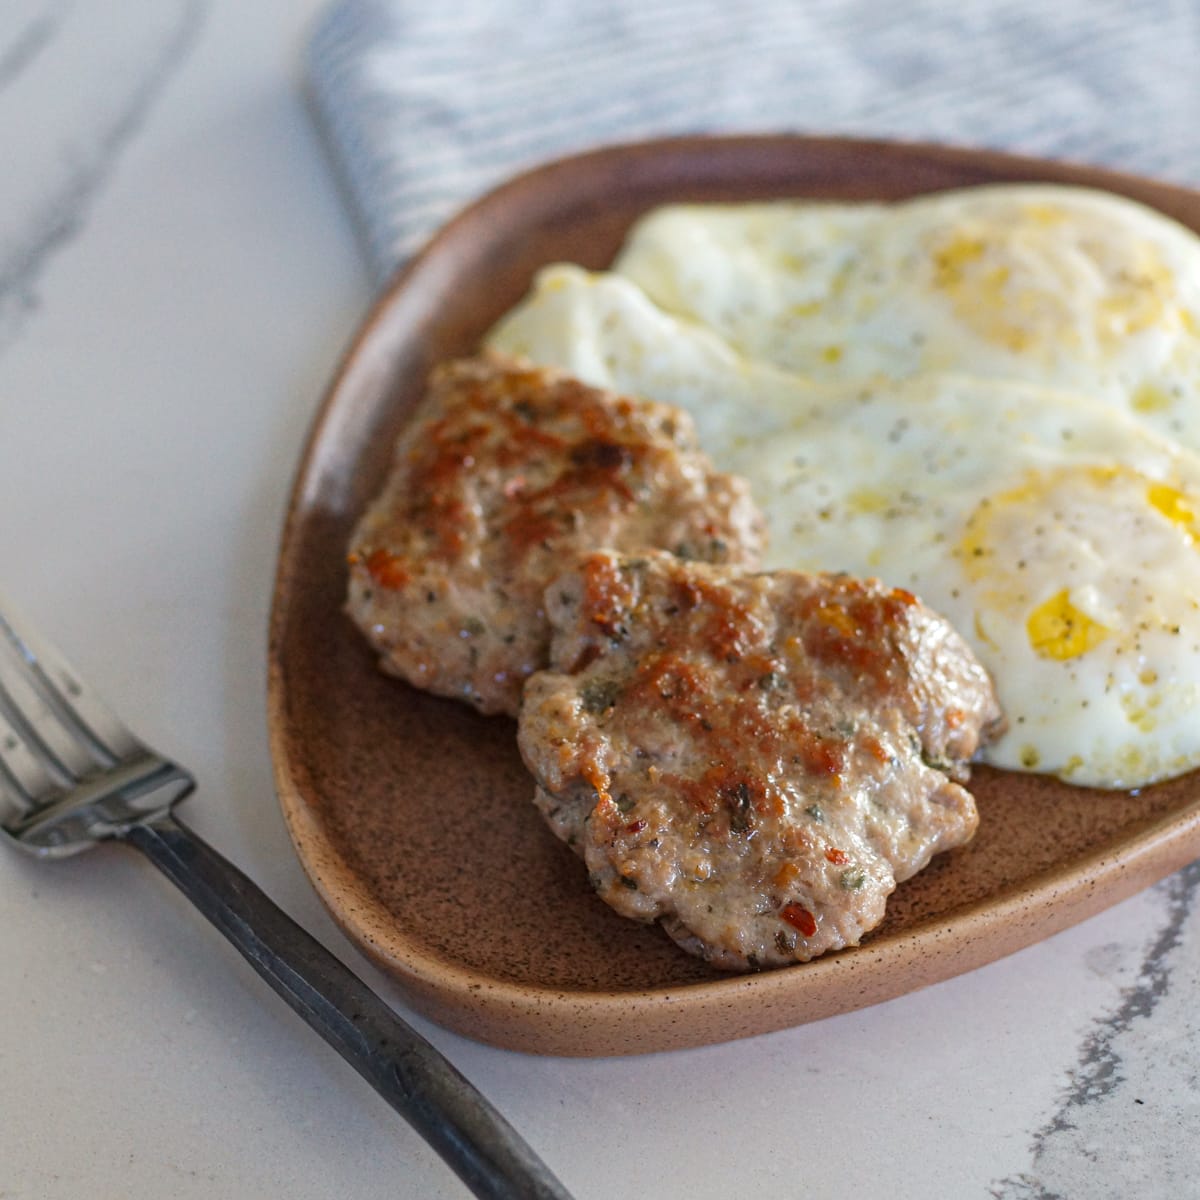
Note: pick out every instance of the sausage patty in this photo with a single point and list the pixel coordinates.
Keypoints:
(506, 473)
(755, 760)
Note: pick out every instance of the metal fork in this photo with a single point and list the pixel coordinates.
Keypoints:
(72, 775)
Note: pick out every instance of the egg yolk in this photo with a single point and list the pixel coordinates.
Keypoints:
(1175, 506)
(1015, 282)
(1044, 536)
(1059, 630)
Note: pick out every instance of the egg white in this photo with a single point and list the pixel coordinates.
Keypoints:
(1057, 533)
(1067, 287)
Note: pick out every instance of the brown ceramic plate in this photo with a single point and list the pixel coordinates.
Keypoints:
(412, 815)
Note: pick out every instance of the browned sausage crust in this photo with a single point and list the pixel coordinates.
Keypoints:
(753, 759)
(506, 473)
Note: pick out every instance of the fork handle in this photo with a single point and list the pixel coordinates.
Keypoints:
(482, 1148)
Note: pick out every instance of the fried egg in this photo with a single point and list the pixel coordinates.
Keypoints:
(1058, 534)
(1066, 287)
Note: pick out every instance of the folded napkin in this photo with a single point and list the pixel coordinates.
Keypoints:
(426, 106)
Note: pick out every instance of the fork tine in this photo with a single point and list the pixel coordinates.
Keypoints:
(64, 756)
(71, 774)
(83, 726)
(23, 778)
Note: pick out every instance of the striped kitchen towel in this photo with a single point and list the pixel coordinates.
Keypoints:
(426, 106)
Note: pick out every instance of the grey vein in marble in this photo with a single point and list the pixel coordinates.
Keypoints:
(88, 76)
(31, 36)
(1131, 1108)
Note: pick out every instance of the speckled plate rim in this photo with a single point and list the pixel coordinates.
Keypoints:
(553, 1020)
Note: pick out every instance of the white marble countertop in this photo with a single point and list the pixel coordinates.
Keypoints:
(177, 281)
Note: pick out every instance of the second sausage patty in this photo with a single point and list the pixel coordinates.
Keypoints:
(753, 759)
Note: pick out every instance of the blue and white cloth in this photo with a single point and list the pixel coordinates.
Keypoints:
(426, 106)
